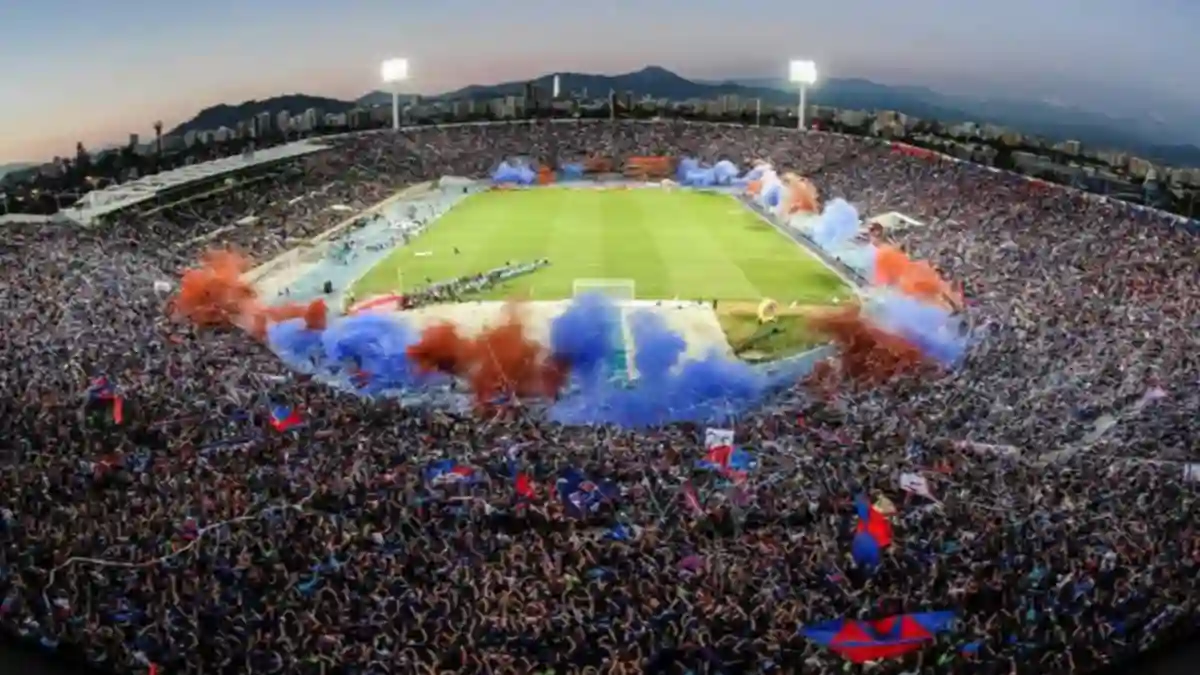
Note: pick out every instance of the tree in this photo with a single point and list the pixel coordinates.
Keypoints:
(158, 142)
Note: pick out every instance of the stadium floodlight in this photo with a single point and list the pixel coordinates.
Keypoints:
(803, 74)
(394, 72)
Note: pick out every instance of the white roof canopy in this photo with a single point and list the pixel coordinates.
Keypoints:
(116, 197)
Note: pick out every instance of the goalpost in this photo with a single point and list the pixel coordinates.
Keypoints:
(616, 289)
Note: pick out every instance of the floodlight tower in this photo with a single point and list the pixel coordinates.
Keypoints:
(803, 74)
(394, 72)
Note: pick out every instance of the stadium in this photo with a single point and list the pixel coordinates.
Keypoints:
(599, 396)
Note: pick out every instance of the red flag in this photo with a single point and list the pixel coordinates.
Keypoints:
(525, 487)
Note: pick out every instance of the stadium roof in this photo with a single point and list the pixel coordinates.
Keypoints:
(111, 199)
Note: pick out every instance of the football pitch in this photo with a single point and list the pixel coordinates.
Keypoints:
(686, 245)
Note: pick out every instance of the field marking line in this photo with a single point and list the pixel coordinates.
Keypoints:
(341, 298)
(854, 286)
(406, 193)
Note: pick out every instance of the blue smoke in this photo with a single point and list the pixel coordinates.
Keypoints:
(686, 166)
(571, 172)
(668, 387)
(375, 344)
(583, 336)
(836, 226)
(693, 174)
(724, 172)
(771, 194)
(513, 174)
(756, 173)
(938, 333)
(298, 347)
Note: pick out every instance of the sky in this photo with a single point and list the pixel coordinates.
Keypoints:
(96, 72)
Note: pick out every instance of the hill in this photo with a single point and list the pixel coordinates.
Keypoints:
(15, 166)
(229, 115)
(1028, 117)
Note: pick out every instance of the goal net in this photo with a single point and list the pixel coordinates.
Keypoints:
(617, 289)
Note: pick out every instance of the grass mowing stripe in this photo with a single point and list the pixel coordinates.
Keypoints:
(670, 243)
(717, 255)
(644, 256)
(777, 266)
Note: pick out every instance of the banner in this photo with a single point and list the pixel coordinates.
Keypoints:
(718, 438)
(649, 168)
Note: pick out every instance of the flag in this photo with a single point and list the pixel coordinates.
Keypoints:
(446, 471)
(620, 532)
(103, 392)
(581, 495)
(872, 535)
(862, 641)
(524, 486)
(723, 457)
(285, 418)
(915, 483)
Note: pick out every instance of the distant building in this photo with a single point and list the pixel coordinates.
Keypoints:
(262, 124)
(311, 119)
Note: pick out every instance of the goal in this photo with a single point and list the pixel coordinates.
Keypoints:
(616, 289)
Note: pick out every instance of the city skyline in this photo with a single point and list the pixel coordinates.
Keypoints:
(77, 82)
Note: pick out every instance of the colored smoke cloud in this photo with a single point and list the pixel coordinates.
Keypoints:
(216, 294)
(575, 375)
(382, 353)
(866, 353)
(514, 173)
(836, 226)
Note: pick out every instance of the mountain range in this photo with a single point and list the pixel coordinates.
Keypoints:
(1145, 137)
(14, 166)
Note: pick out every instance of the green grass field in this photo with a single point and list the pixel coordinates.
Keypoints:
(672, 244)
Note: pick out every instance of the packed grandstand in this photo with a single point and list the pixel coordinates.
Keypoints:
(204, 475)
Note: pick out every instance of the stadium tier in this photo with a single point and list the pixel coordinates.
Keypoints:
(437, 401)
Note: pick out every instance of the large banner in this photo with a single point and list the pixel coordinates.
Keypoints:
(649, 168)
(598, 165)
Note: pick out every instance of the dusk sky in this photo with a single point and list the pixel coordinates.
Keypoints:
(95, 72)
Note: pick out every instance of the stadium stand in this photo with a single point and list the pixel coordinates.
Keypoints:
(187, 534)
(99, 203)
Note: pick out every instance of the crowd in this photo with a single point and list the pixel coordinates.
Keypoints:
(193, 536)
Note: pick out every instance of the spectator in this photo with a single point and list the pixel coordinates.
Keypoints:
(186, 538)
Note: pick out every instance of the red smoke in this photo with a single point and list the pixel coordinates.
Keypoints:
(498, 363)
(915, 279)
(215, 294)
(866, 354)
